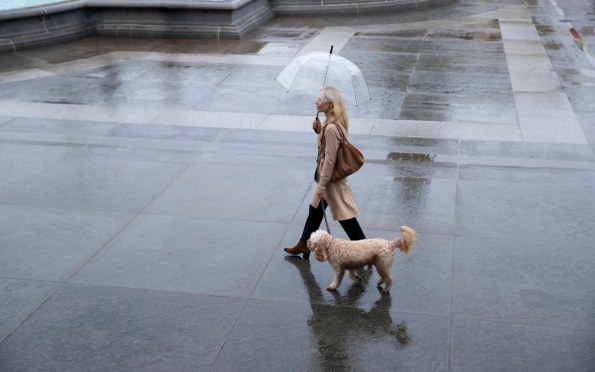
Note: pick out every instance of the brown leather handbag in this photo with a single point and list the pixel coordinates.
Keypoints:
(349, 158)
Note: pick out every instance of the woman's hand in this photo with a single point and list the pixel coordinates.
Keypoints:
(321, 196)
(316, 125)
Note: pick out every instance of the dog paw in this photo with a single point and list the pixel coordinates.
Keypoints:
(385, 290)
(331, 287)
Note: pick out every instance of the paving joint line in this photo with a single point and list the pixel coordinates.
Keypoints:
(63, 284)
(452, 270)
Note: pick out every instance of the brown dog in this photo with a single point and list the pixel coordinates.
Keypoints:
(352, 255)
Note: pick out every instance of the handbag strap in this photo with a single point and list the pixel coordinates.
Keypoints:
(343, 137)
(323, 140)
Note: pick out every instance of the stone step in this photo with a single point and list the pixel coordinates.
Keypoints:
(332, 7)
(46, 25)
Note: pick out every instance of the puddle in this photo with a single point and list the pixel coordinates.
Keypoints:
(400, 34)
(279, 49)
(544, 30)
(552, 45)
(466, 34)
(578, 73)
(293, 35)
(401, 334)
(404, 156)
(60, 102)
(419, 142)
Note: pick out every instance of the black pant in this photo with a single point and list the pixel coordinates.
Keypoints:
(315, 216)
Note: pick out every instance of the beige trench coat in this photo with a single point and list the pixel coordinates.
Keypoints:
(338, 194)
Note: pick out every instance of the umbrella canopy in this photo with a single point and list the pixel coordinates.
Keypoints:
(312, 71)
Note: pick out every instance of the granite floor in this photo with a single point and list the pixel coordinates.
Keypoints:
(147, 188)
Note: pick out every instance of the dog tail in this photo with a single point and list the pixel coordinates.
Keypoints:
(406, 241)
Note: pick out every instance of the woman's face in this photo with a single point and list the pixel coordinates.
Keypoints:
(323, 106)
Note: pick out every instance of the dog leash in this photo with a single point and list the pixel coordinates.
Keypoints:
(324, 214)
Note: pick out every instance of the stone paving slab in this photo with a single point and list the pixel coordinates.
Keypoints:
(112, 152)
(385, 339)
(579, 98)
(78, 112)
(548, 115)
(336, 36)
(462, 64)
(53, 89)
(525, 288)
(10, 61)
(375, 60)
(561, 209)
(161, 137)
(459, 108)
(47, 149)
(431, 129)
(283, 194)
(19, 299)
(17, 170)
(153, 95)
(534, 81)
(524, 47)
(122, 329)
(163, 252)
(450, 82)
(53, 130)
(209, 119)
(544, 174)
(529, 63)
(471, 338)
(108, 185)
(9, 77)
(52, 244)
(479, 151)
(518, 31)
(587, 122)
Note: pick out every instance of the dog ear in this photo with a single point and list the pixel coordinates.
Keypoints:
(322, 244)
(320, 253)
(326, 239)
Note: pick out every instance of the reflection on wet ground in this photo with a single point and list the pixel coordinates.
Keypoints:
(337, 336)
(399, 156)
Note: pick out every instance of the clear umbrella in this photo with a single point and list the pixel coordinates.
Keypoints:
(312, 71)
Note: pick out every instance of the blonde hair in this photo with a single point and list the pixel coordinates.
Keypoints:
(338, 113)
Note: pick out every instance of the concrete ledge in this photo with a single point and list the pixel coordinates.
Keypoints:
(80, 4)
(57, 23)
(41, 39)
(310, 7)
(178, 23)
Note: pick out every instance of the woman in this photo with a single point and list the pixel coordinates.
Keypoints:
(336, 194)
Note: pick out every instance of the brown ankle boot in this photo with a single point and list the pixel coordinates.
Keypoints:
(300, 247)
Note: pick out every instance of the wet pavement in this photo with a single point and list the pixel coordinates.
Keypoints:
(149, 186)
